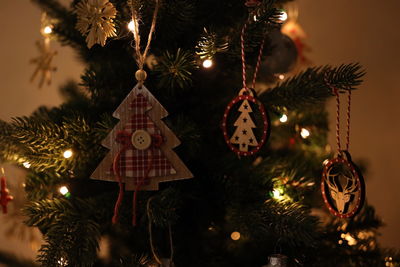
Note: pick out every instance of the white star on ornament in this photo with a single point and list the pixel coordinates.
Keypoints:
(95, 19)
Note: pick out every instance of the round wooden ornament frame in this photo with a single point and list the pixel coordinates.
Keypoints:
(356, 174)
(244, 95)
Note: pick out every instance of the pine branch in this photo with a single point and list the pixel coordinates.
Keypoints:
(175, 70)
(311, 86)
(70, 229)
(164, 207)
(291, 223)
(41, 185)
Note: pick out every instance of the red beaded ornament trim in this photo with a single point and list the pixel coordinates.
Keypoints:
(360, 185)
(247, 94)
(265, 121)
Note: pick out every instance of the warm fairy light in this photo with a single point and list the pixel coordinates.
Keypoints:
(284, 118)
(26, 164)
(283, 16)
(281, 77)
(47, 30)
(63, 190)
(131, 26)
(277, 194)
(305, 133)
(389, 262)
(235, 236)
(340, 242)
(67, 153)
(349, 238)
(207, 63)
(62, 262)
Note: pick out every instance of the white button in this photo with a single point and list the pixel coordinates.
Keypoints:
(141, 139)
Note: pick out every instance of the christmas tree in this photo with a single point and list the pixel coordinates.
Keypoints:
(243, 135)
(262, 209)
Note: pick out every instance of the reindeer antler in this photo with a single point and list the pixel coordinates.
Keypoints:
(353, 187)
(331, 181)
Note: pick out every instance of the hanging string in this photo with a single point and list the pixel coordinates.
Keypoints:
(336, 92)
(150, 228)
(242, 42)
(338, 142)
(348, 120)
(141, 57)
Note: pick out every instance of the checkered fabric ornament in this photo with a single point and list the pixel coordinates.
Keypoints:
(146, 144)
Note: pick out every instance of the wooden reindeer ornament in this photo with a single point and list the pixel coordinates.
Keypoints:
(342, 184)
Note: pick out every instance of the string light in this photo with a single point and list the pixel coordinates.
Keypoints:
(62, 262)
(63, 190)
(284, 118)
(305, 133)
(350, 240)
(26, 164)
(235, 236)
(283, 16)
(277, 194)
(207, 63)
(389, 262)
(47, 30)
(131, 26)
(281, 76)
(67, 153)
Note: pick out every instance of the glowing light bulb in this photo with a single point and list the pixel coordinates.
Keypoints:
(63, 190)
(131, 26)
(283, 16)
(62, 262)
(277, 194)
(304, 133)
(235, 236)
(284, 118)
(207, 63)
(67, 153)
(281, 76)
(26, 164)
(47, 30)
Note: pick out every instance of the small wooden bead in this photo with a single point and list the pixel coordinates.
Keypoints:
(140, 75)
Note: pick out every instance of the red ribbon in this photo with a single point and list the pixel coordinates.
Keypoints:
(124, 138)
(5, 196)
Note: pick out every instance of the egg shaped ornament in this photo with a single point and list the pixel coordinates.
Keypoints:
(246, 125)
(281, 55)
(342, 186)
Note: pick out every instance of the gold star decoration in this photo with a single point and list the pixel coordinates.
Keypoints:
(95, 19)
(43, 62)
